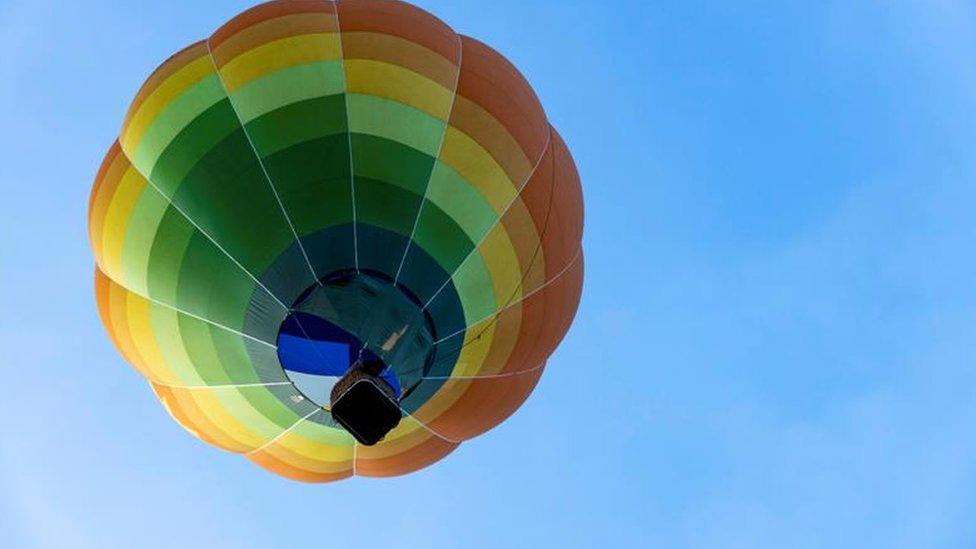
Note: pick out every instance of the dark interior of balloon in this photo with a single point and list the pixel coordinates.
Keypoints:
(356, 343)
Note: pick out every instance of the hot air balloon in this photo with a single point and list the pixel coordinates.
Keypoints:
(338, 238)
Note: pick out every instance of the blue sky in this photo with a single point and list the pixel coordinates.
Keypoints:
(775, 346)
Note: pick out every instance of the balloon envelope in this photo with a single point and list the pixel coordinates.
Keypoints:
(317, 182)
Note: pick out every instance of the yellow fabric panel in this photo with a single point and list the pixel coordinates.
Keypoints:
(217, 426)
(116, 314)
(332, 461)
(398, 440)
(484, 128)
(168, 90)
(172, 408)
(306, 447)
(473, 353)
(279, 54)
(392, 82)
(130, 189)
(395, 50)
(105, 189)
(234, 403)
(498, 253)
(272, 29)
(473, 162)
(165, 336)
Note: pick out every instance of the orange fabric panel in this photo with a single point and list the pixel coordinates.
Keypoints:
(265, 12)
(484, 403)
(279, 467)
(403, 455)
(490, 81)
(399, 19)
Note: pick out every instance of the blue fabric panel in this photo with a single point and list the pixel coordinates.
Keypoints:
(324, 358)
(309, 344)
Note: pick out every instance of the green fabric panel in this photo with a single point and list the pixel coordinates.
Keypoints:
(444, 242)
(395, 121)
(385, 206)
(314, 430)
(208, 277)
(442, 237)
(443, 364)
(306, 154)
(384, 160)
(474, 286)
(313, 182)
(305, 150)
(186, 271)
(461, 201)
(139, 235)
(177, 115)
(287, 86)
(278, 401)
(199, 347)
(273, 408)
(332, 249)
(167, 250)
(183, 269)
(169, 340)
(228, 195)
(446, 311)
(193, 142)
(262, 358)
(390, 182)
(234, 360)
(256, 414)
(297, 123)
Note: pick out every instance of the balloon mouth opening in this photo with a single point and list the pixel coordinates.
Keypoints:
(356, 343)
